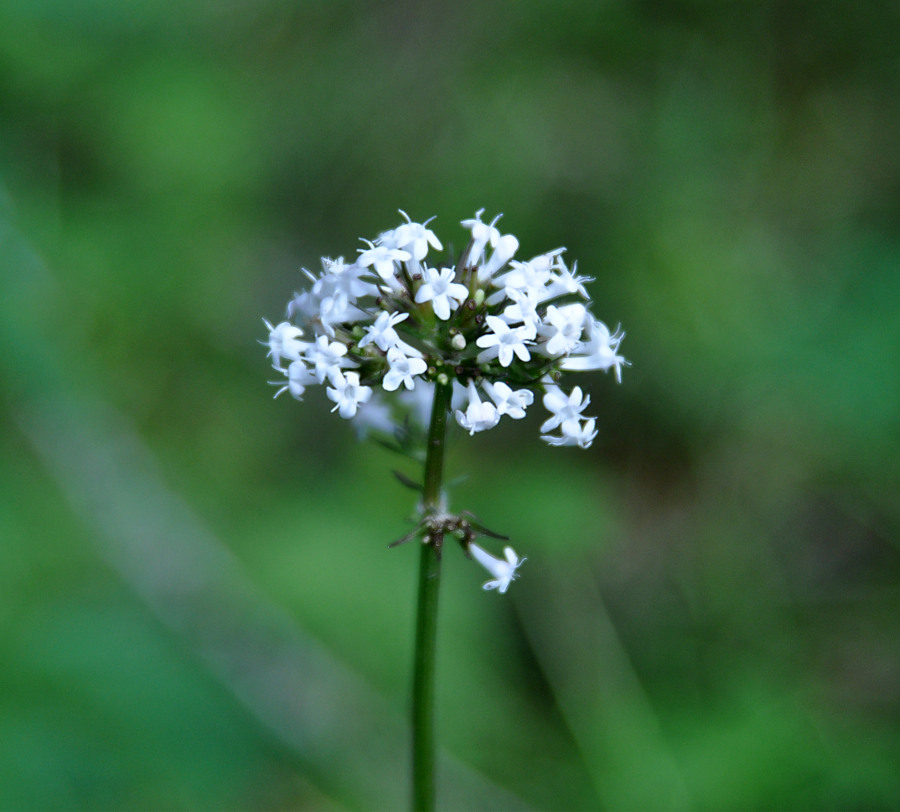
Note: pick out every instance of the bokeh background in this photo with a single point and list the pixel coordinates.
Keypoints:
(197, 606)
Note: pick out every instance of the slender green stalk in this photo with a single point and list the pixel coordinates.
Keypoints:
(426, 619)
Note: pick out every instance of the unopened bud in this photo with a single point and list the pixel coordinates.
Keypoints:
(458, 342)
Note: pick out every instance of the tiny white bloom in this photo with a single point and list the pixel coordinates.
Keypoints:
(503, 341)
(460, 397)
(524, 307)
(383, 334)
(600, 351)
(415, 238)
(565, 408)
(338, 309)
(339, 276)
(531, 275)
(503, 252)
(284, 343)
(507, 401)
(503, 571)
(479, 416)
(482, 234)
(299, 377)
(346, 392)
(327, 355)
(574, 433)
(382, 258)
(568, 282)
(402, 369)
(440, 289)
(562, 327)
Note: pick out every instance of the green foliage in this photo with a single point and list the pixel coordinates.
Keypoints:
(710, 611)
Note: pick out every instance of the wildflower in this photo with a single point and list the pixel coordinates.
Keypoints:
(382, 258)
(440, 289)
(384, 335)
(481, 235)
(415, 238)
(504, 341)
(503, 332)
(402, 369)
(531, 275)
(565, 281)
(284, 343)
(346, 393)
(572, 432)
(565, 409)
(504, 251)
(479, 416)
(327, 356)
(299, 377)
(562, 327)
(507, 401)
(600, 351)
(503, 571)
(524, 307)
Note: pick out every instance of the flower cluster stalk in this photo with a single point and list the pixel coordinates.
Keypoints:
(423, 704)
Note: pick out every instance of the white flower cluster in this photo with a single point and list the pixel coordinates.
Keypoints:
(498, 328)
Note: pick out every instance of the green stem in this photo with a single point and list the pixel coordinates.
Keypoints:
(426, 619)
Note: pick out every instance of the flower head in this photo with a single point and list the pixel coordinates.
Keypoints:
(397, 321)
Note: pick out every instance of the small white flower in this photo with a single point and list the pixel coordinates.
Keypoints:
(523, 309)
(503, 341)
(382, 258)
(383, 334)
(531, 275)
(299, 377)
(346, 392)
(338, 309)
(326, 356)
(479, 416)
(565, 409)
(507, 401)
(284, 343)
(600, 351)
(574, 433)
(568, 282)
(402, 369)
(440, 289)
(415, 238)
(562, 327)
(503, 572)
(503, 252)
(482, 234)
(338, 276)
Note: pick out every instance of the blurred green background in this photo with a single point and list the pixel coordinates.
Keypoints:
(197, 606)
